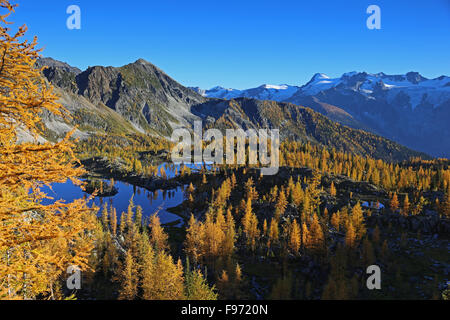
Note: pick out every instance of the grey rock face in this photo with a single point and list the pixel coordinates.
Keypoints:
(139, 92)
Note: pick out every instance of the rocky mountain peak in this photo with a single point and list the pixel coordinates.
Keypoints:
(319, 76)
(52, 63)
(415, 77)
(141, 61)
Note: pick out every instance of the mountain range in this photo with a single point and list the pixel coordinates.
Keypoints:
(139, 98)
(409, 109)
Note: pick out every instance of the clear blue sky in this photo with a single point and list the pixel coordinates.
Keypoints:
(242, 44)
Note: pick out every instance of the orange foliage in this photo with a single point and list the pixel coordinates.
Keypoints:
(37, 242)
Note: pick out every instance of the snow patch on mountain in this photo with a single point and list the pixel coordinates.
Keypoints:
(417, 88)
(411, 86)
(263, 92)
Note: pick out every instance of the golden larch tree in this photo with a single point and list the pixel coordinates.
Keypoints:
(281, 204)
(357, 219)
(194, 239)
(394, 203)
(350, 236)
(197, 288)
(406, 206)
(250, 224)
(295, 237)
(37, 241)
(332, 189)
(128, 278)
(158, 238)
(316, 239)
(230, 234)
(165, 281)
(273, 233)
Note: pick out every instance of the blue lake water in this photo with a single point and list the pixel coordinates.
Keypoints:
(151, 202)
(172, 170)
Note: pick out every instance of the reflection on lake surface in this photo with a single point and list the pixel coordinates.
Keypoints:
(171, 170)
(150, 202)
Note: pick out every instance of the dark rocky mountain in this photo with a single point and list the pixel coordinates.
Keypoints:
(139, 97)
(409, 109)
(55, 64)
(139, 92)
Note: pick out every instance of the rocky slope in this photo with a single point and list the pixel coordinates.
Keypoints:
(139, 93)
(299, 123)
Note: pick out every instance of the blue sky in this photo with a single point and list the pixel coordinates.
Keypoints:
(242, 44)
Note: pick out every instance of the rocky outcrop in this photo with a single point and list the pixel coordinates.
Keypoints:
(427, 223)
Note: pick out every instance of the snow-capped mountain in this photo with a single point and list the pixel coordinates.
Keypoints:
(417, 88)
(319, 82)
(264, 92)
(409, 108)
